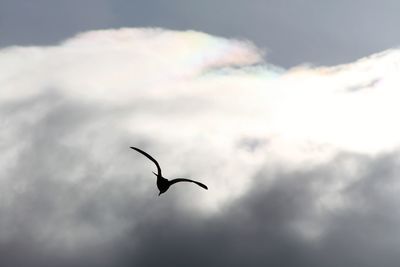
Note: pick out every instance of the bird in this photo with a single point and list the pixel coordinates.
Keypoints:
(163, 183)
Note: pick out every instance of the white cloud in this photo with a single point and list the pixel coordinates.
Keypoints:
(205, 107)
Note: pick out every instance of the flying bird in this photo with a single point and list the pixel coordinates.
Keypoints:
(162, 183)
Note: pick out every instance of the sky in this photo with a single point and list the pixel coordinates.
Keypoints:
(286, 110)
(291, 32)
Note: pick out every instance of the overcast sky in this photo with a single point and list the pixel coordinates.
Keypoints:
(291, 31)
(301, 160)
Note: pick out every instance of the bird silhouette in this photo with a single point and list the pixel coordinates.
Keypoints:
(163, 183)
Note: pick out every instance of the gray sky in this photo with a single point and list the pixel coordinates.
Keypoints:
(293, 32)
(302, 163)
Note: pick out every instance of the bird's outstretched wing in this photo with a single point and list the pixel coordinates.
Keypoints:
(177, 180)
(149, 157)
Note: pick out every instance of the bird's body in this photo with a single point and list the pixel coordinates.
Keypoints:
(162, 183)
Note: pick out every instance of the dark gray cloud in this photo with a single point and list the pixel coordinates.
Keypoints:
(256, 229)
(294, 32)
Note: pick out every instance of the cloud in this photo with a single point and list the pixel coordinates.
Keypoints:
(301, 166)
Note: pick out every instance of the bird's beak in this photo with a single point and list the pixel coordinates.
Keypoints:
(159, 194)
(155, 173)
